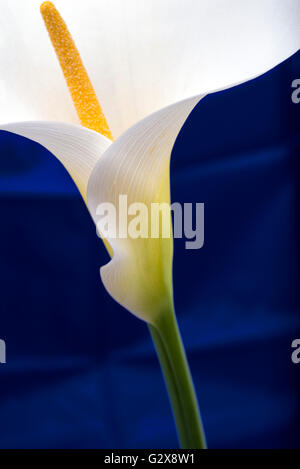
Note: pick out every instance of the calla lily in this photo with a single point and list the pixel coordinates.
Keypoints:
(150, 63)
(143, 56)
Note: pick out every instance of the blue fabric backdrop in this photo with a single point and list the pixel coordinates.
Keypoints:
(81, 371)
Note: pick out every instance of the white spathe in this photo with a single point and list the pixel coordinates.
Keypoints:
(150, 62)
(139, 276)
(76, 147)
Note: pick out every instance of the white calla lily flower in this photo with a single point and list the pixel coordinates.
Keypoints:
(142, 56)
(150, 63)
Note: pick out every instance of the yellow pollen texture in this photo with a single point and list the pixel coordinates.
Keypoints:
(83, 95)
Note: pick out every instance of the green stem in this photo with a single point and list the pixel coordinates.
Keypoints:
(175, 368)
